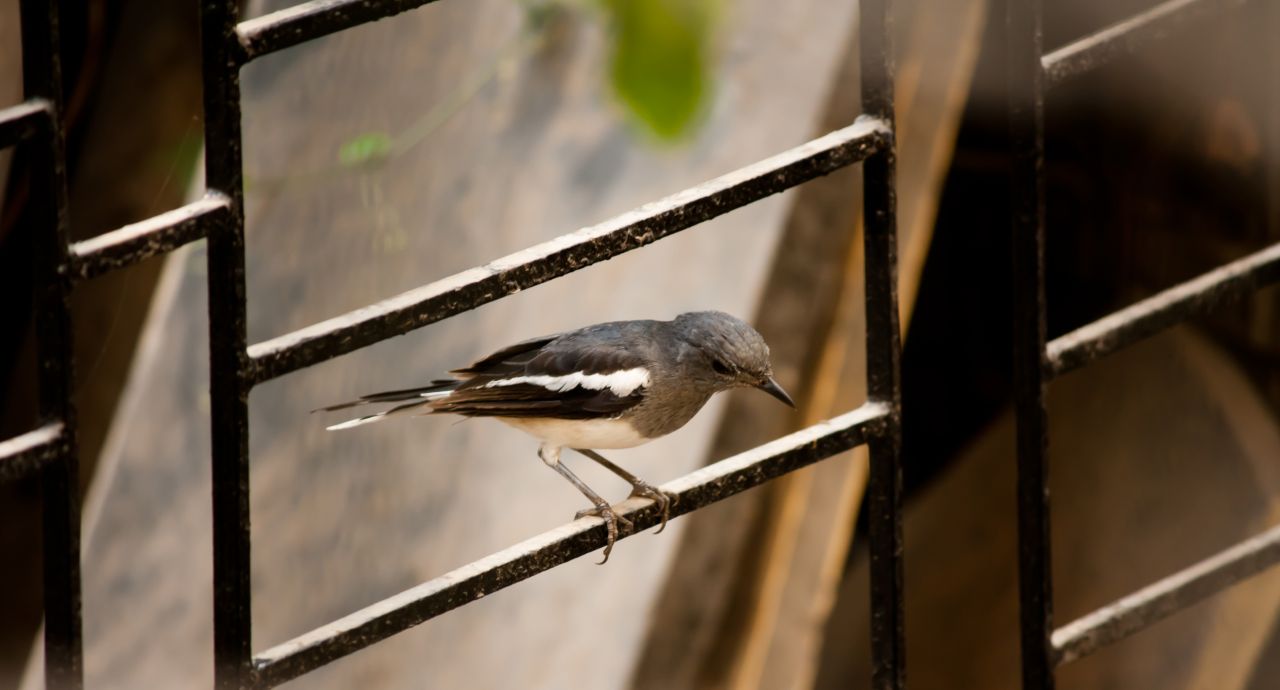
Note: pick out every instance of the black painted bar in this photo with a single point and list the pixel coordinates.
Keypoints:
(1128, 36)
(21, 122)
(60, 477)
(1164, 309)
(880, 238)
(1026, 127)
(695, 490)
(311, 20)
(152, 237)
(228, 361)
(1162, 599)
(567, 253)
(26, 454)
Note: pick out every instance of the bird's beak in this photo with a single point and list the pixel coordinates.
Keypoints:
(772, 388)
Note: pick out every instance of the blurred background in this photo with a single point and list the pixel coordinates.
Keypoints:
(391, 155)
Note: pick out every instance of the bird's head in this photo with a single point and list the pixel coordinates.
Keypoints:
(734, 354)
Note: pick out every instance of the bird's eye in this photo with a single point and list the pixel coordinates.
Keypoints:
(720, 367)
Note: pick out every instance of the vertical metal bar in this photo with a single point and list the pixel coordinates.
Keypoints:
(42, 78)
(1271, 82)
(228, 355)
(883, 354)
(1026, 128)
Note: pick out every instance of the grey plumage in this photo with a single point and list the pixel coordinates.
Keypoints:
(611, 385)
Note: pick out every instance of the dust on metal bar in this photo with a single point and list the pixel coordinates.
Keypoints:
(1126, 37)
(1026, 130)
(228, 382)
(311, 20)
(1168, 596)
(483, 577)
(20, 122)
(567, 253)
(152, 237)
(1164, 309)
(883, 352)
(25, 454)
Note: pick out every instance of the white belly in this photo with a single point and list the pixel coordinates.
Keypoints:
(593, 434)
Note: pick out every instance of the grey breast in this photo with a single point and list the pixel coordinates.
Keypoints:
(675, 392)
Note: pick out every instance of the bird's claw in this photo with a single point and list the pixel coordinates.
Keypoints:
(611, 519)
(663, 499)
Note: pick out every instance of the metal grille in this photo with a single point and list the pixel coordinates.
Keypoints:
(1036, 361)
(236, 366)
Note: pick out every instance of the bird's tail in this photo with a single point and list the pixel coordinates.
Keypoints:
(412, 398)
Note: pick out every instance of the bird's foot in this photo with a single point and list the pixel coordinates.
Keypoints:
(605, 512)
(664, 499)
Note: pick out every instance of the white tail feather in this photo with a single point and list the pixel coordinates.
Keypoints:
(352, 423)
(371, 418)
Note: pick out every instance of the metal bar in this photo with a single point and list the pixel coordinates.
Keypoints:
(228, 361)
(42, 82)
(567, 253)
(1158, 601)
(28, 453)
(1026, 128)
(152, 237)
(1164, 309)
(884, 487)
(1123, 38)
(466, 584)
(311, 20)
(20, 122)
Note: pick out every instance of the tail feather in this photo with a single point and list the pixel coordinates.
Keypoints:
(435, 390)
(377, 417)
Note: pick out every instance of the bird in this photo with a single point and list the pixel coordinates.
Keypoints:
(606, 386)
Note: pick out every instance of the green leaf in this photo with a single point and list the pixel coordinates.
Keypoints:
(365, 148)
(658, 66)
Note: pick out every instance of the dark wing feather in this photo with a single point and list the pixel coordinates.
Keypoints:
(581, 351)
(600, 349)
(508, 359)
(524, 400)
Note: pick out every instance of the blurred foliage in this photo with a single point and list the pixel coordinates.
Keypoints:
(659, 68)
(659, 64)
(364, 148)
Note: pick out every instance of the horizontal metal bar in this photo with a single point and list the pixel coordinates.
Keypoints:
(154, 236)
(524, 560)
(1126, 37)
(310, 20)
(1162, 310)
(1168, 596)
(565, 254)
(20, 122)
(26, 454)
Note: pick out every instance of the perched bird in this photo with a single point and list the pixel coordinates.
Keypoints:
(611, 385)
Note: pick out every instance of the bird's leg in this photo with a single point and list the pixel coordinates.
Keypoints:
(639, 487)
(551, 456)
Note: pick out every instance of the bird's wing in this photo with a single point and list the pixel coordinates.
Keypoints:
(567, 377)
(509, 358)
